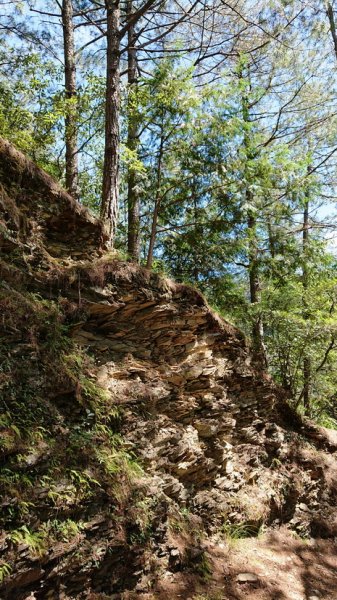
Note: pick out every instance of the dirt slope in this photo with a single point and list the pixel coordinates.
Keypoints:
(138, 439)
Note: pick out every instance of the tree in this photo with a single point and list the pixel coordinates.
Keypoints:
(132, 143)
(110, 186)
(29, 109)
(118, 26)
(71, 99)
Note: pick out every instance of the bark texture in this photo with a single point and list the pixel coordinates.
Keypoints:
(259, 348)
(332, 25)
(110, 190)
(133, 140)
(71, 93)
(305, 281)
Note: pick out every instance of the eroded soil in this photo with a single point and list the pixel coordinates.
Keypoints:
(286, 567)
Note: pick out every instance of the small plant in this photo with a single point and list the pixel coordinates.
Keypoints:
(5, 570)
(238, 531)
(82, 480)
(185, 512)
(74, 486)
(34, 539)
(301, 535)
(204, 567)
(59, 495)
(176, 525)
(88, 393)
(117, 460)
(24, 507)
(160, 268)
(179, 521)
(63, 531)
(141, 516)
(327, 421)
(10, 433)
(251, 506)
(275, 463)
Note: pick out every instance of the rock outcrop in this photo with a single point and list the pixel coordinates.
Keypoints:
(183, 377)
(134, 422)
(34, 209)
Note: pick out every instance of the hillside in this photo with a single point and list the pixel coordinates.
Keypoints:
(139, 441)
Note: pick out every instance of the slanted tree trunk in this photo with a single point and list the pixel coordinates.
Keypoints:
(110, 188)
(132, 144)
(71, 97)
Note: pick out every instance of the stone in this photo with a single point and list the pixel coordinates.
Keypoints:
(24, 578)
(207, 428)
(303, 507)
(193, 373)
(196, 552)
(247, 578)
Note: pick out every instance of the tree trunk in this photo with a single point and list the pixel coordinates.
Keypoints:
(259, 348)
(71, 97)
(196, 230)
(132, 144)
(332, 25)
(305, 283)
(271, 238)
(110, 188)
(157, 204)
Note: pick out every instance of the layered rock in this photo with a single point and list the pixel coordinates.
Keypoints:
(153, 375)
(182, 375)
(34, 209)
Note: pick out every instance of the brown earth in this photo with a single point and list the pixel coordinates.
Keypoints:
(139, 439)
(285, 568)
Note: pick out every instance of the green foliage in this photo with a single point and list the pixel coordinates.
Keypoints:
(65, 451)
(229, 166)
(88, 393)
(63, 531)
(35, 540)
(203, 567)
(291, 333)
(218, 169)
(29, 111)
(116, 460)
(142, 514)
(238, 531)
(5, 570)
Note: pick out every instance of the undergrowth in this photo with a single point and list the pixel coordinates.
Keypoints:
(239, 531)
(59, 441)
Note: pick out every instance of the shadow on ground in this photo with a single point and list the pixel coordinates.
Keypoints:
(287, 568)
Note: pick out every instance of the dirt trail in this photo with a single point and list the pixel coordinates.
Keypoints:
(286, 568)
